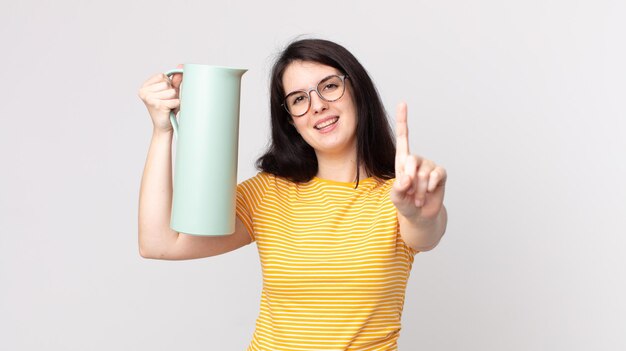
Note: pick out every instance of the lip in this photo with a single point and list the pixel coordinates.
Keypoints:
(323, 120)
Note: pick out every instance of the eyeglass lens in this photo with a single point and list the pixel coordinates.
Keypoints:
(329, 89)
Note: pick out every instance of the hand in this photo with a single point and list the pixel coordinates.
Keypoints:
(160, 95)
(419, 187)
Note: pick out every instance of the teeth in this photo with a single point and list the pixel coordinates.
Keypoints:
(327, 123)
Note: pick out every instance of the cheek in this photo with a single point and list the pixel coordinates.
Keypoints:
(297, 124)
(350, 108)
(352, 120)
(299, 127)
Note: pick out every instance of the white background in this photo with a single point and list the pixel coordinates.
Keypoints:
(523, 102)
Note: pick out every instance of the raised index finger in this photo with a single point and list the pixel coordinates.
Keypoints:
(402, 131)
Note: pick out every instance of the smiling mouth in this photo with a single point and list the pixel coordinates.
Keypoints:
(327, 123)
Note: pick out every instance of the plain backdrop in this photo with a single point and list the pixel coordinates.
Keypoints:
(523, 102)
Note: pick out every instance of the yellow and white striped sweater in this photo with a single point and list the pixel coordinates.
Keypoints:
(334, 265)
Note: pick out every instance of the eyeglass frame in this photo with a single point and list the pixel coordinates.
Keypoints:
(314, 88)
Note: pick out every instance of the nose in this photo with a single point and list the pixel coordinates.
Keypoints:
(317, 103)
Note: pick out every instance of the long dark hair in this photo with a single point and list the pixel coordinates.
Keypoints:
(289, 156)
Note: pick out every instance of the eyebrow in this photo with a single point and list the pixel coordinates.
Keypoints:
(321, 80)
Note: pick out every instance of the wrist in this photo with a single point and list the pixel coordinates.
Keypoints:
(421, 233)
(426, 223)
(159, 133)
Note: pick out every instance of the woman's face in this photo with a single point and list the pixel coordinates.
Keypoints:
(340, 135)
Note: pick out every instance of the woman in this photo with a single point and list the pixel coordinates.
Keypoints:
(338, 212)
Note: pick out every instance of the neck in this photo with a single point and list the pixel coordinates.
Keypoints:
(339, 167)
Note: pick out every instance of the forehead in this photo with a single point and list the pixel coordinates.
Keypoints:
(304, 74)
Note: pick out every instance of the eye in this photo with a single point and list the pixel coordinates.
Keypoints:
(330, 86)
(297, 99)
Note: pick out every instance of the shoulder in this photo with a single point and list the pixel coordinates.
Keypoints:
(380, 192)
(259, 178)
(387, 182)
(263, 181)
(384, 185)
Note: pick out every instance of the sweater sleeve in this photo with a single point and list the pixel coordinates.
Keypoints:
(402, 244)
(250, 194)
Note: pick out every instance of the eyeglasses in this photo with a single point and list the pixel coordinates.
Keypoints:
(329, 89)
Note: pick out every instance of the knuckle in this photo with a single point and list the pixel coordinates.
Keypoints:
(163, 106)
(440, 172)
(152, 102)
(157, 104)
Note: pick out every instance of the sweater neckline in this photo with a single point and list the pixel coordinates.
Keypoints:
(345, 184)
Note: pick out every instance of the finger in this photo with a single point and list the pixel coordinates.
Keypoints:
(438, 177)
(147, 92)
(402, 185)
(171, 103)
(160, 86)
(422, 178)
(402, 136)
(410, 169)
(154, 79)
(177, 78)
(402, 131)
(165, 94)
(163, 104)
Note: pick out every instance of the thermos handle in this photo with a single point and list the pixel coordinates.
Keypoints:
(172, 115)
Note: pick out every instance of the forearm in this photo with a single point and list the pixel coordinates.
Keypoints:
(155, 198)
(423, 234)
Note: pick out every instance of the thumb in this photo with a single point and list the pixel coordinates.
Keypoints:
(177, 78)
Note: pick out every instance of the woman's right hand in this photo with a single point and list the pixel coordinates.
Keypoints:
(160, 95)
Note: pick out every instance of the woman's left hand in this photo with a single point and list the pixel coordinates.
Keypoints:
(419, 187)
